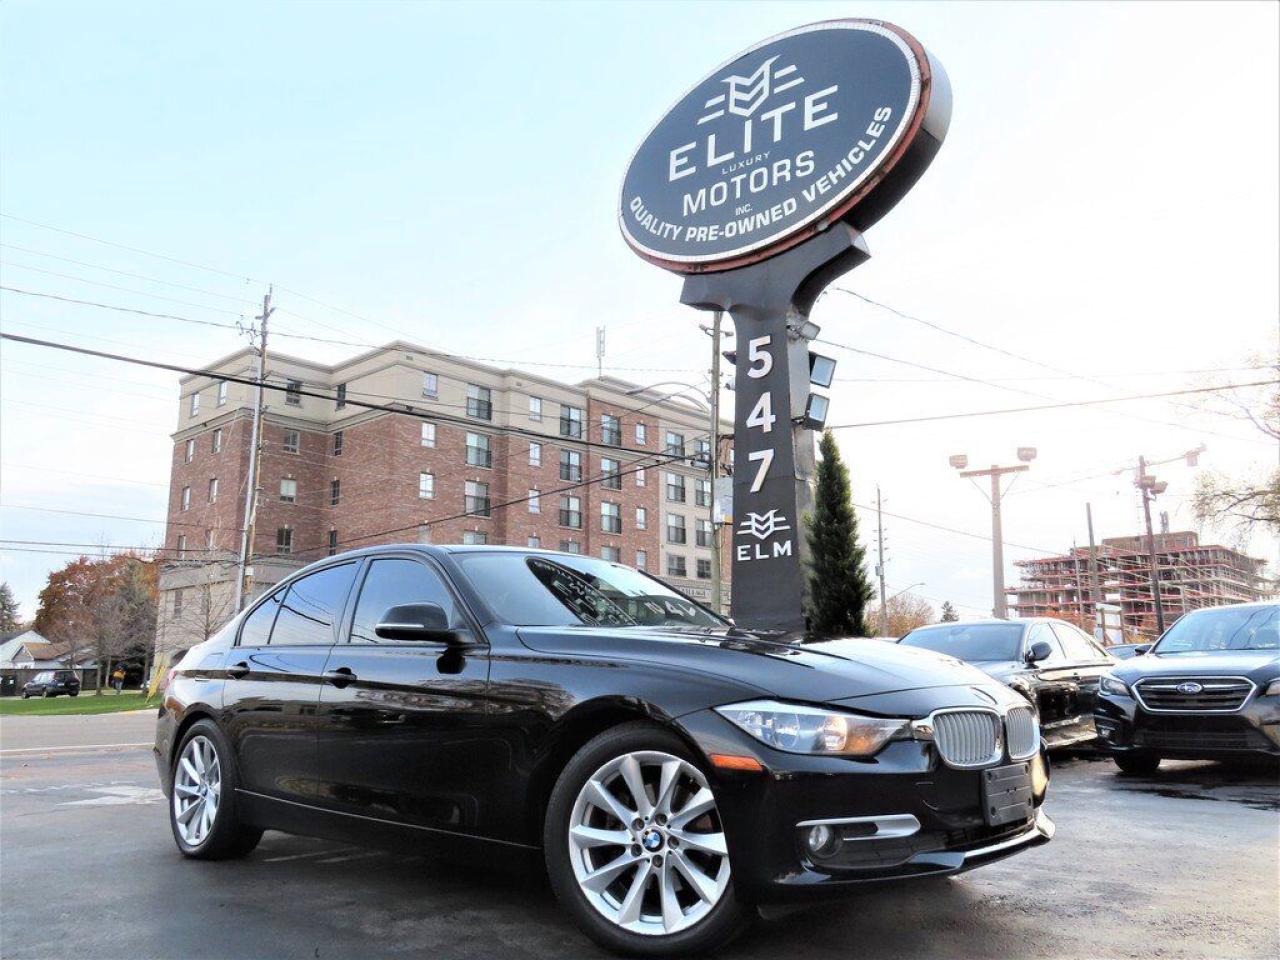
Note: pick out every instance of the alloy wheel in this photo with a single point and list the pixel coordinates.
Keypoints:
(647, 844)
(197, 790)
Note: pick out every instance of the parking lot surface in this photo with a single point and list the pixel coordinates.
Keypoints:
(1182, 864)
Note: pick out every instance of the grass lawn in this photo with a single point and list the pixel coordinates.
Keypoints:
(109, 702)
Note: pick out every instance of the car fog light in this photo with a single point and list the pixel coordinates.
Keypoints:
(1039, 777)
(821, 840)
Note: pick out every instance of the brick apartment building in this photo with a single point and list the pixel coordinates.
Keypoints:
(336, 476)
(1192, 575)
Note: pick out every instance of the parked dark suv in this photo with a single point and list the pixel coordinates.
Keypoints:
(670, 770)
(50, 683)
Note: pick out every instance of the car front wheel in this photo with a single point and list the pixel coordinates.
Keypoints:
(1137, 764)
(636, 849)
(202, 806)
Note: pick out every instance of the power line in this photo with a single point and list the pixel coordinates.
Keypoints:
(102, 516)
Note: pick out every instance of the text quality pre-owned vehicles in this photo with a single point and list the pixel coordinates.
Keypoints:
(1208, 690)
(672, 772)
(1050, 662)
(52, 683)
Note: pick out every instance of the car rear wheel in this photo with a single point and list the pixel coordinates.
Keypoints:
(202, 806)
(636, 849)
(1137, 764)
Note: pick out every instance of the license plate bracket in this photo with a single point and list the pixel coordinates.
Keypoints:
(1006, 794)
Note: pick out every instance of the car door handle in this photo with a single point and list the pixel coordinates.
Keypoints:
(238, 671)
(340, 677)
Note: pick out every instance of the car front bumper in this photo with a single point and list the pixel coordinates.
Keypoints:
(905, 814)
(1124, 726)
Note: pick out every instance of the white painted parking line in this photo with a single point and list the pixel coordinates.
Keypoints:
(302, 856)
(78, 748)
(116, 796)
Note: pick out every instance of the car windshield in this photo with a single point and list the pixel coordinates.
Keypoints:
(1227, 628)
(546, 591)
(973, 641)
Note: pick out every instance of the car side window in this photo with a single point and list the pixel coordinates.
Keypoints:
(393, 581)
(1075, 643)
(257, 626)
(1041, 631)
(312, 606)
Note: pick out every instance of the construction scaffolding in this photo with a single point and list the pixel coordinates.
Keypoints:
(1192, 575)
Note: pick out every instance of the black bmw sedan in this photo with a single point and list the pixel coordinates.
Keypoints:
(672, 772)
(1208, 690)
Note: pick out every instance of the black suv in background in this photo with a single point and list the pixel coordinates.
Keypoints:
(50, 683)
(1208, 690)
(1053, 664)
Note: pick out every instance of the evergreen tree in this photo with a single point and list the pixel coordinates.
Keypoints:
(839, 590)
(9, 622)
(949, 614)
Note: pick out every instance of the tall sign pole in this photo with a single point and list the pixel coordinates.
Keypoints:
(756, 186)
(255, 455)
(717, 600)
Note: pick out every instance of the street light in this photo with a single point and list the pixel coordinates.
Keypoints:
(905, 590)
(1000, 607)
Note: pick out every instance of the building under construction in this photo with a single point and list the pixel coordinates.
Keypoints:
(1192, 575)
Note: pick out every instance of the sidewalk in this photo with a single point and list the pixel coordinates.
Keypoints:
(131, 728)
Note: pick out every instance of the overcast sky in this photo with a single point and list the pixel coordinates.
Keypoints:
(1105, 205)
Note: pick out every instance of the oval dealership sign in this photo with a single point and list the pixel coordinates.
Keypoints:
(833, 120)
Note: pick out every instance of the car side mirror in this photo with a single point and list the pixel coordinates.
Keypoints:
(1141, 648)
(416, 621)
(1040, 650)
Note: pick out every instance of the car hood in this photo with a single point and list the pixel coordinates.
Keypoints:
(1257, 665)
(820, 671)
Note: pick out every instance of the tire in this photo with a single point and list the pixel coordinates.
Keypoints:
(25, 695)
(46, 694)
(74, 693)
(668, 898)
(1137, 764)
(203, 770)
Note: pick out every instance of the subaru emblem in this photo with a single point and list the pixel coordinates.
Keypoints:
(1189, 688)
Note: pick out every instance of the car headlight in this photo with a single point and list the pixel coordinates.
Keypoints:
(800, 729)
(1273, 688)
(1114, 686)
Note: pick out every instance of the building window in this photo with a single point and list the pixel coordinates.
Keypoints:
(217, 440)
(182, 545)
(676, 566)
(642, 518)
(571, 512)
(642, 559)
(612, 471)
(333, 542)
(675, 528)
(479, 402)
(476, 498)
(704, 569)
(186, 498)
(535, 408)
(534, 541)
(570, 546)
(340, 397)
(675, 443)
(191, 450)
(610, 430)
(335, 491)
(535, 501)
(571, 421)
(702, 493)
(642, 434)
(428, 435)
(292, 441)
(222, 393)
(430, 386)
(293, 393)
(704, 452)
(289, 490)
(535, 454)
(570, 465)
(475, 538)
(612, 554)
(195, 404)
(675, 488)
(611, 517)
(640, 477)
(478, 452)
(337, 443)
(213, 489)
(703, 533)
(426, 486)
(284, 541)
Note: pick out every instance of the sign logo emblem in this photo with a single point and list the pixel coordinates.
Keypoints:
(762, 526)
(1189, 688)
(746, 94)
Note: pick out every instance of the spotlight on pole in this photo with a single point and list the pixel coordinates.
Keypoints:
(822, 370)
(959, 461)
(1026, 454)
(815, 411)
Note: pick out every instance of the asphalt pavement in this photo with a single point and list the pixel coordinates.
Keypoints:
(1182, 864)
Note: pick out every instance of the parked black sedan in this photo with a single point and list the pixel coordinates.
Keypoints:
(671, 771)
(1053, 664)
(52, 683)
(1208, 690)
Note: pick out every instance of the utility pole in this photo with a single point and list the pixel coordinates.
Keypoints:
(1149, 487)
(255, 457)
(599, 351)
(1095, 588)
(884, 605)
(1000, 606)
(717, 316)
